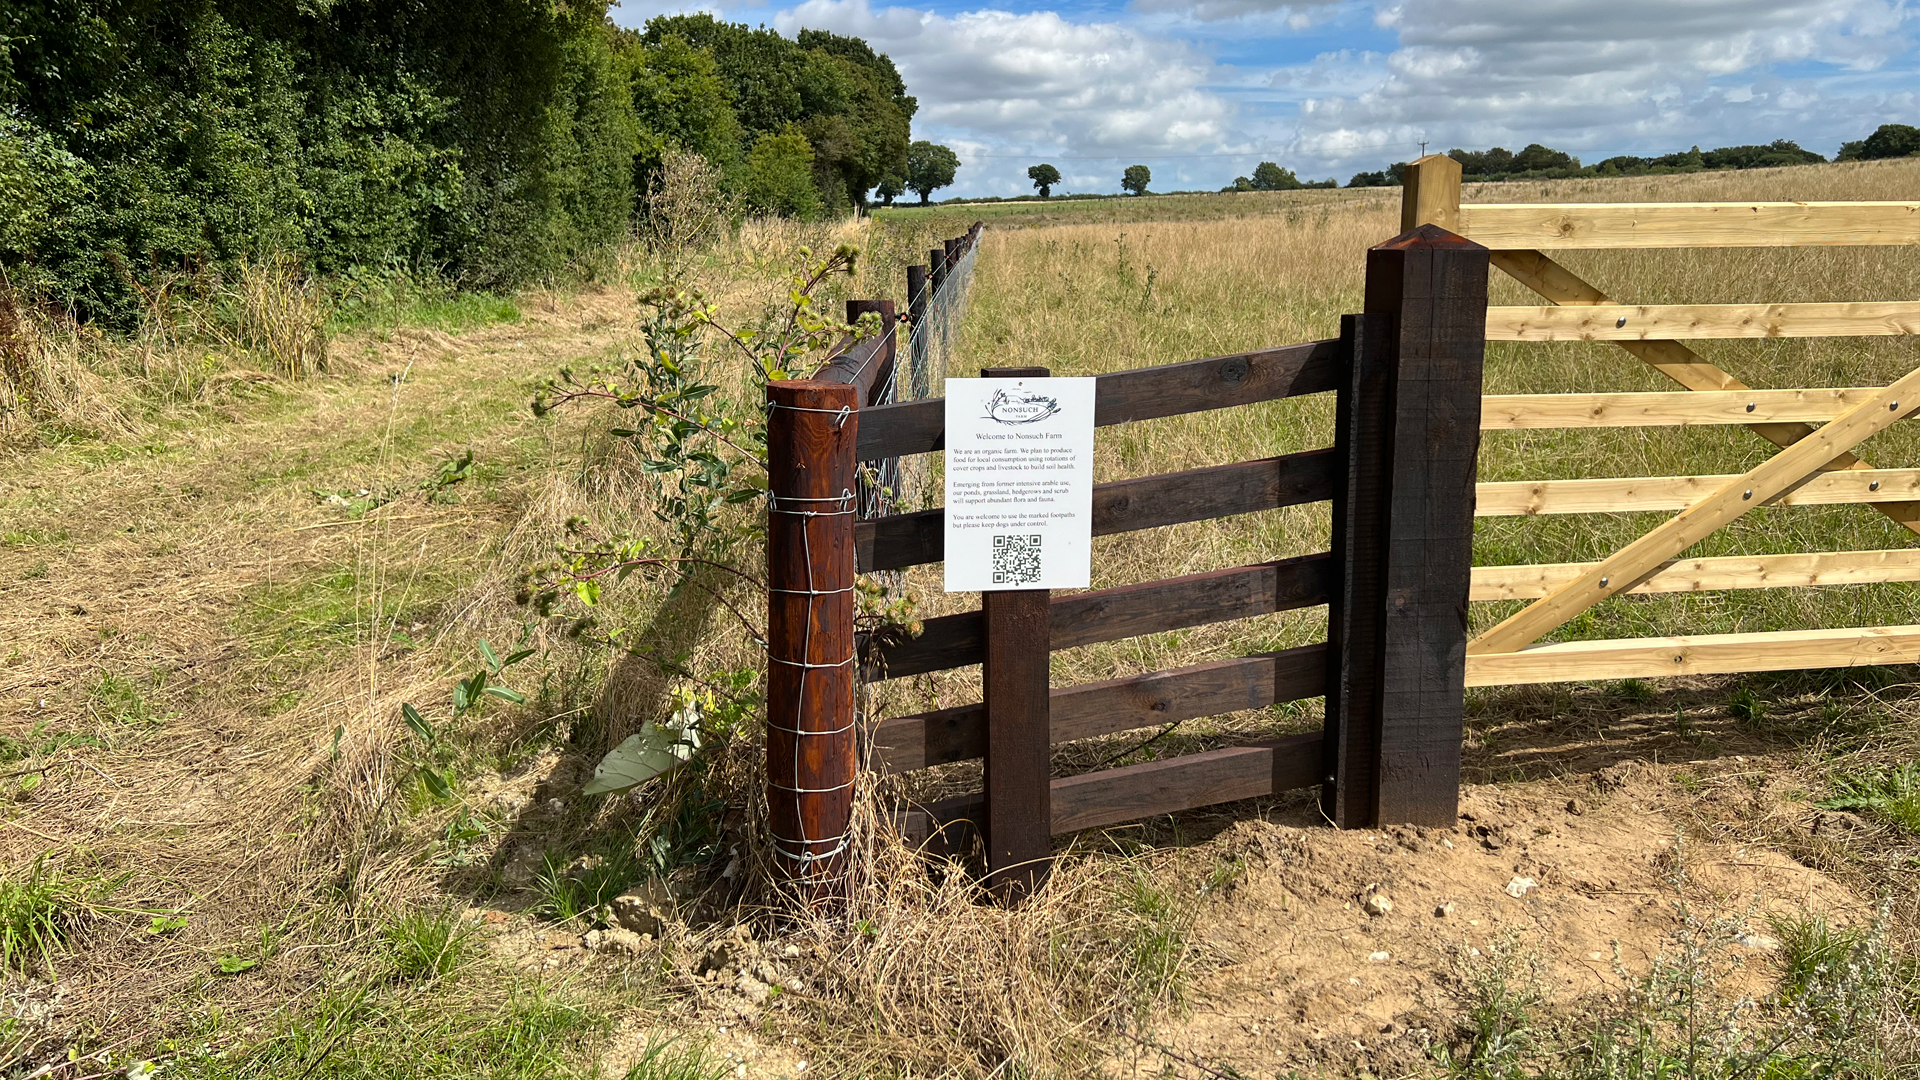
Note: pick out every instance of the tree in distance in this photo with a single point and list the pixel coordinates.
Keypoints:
(892, 186)
(1135, 180)
(1043, 177)
(1890, 141)
(1271, 177)
(930, 166)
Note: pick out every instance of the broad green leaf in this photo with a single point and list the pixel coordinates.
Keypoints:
(486, 653)
(507, 694)
(516, 657)
(654, 751)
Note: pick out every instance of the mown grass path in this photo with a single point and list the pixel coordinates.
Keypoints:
(191, 614)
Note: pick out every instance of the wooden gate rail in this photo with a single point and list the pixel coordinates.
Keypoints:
(1702, 654)
(1090, 710)
(1681, 322)
(1532, 580)
(1510, 498)
(1216, 382)
(1089, 618)
(1119, 506)
(1590, 226)
(1667, 408)
(1114, 796)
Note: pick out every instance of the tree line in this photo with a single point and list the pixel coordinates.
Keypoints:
(1537, 162)
(490, 141)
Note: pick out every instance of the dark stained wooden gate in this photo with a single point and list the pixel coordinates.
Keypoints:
(1406, 378)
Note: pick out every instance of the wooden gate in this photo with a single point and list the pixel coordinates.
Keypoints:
(1815, 466)
(1406, 377)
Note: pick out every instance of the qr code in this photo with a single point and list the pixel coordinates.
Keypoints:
(1016, 559)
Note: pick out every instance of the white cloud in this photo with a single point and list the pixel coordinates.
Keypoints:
(1011, 83)
(1093, 92)
(1575, 74)
(1293, 14)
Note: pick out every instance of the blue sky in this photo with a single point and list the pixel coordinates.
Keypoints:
(1202, 90)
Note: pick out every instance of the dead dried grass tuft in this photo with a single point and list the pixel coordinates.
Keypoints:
(45, 382)
(279, 314)
(200, 341)
(921, 975)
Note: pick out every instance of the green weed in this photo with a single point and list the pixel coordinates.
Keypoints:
(42, 909)
(1891, 793)
(574, 888)
(671, 1059)
(1155, 938)
(31, 537)
(118, 700)
(353, 1034)
(1502, 988)
(1747, 707)
(40, 742)
(1812, 950)
(426, 943)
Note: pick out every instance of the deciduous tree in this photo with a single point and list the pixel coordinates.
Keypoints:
(1043, 177)
(1135, 180)
(1268, 176)
(1891, 140)
(779, 176)
(930, 167)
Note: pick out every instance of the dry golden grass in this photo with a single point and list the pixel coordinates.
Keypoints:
(202, 342)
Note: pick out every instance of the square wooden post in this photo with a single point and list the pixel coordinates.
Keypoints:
(1362, 408)
(1412, 433)
(1019, 765)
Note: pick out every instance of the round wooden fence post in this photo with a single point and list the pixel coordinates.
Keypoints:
(937, 267)
(917, 378)
(811, 760)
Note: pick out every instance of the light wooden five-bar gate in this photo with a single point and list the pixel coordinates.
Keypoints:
(1815, 466)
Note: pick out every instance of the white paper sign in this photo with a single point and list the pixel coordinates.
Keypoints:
(1019, 495)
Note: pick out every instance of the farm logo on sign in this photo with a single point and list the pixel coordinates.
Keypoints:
(1020, 407)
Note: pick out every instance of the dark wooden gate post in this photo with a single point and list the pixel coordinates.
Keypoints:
(811, 479)
(1019, 825)
(919, 379)
(1409, 423)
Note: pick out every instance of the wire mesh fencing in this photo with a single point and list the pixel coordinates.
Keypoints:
(936, 307)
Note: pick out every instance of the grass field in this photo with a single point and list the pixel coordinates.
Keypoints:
(213, 832)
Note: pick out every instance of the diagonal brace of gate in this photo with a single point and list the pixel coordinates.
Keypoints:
(1631, 564)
